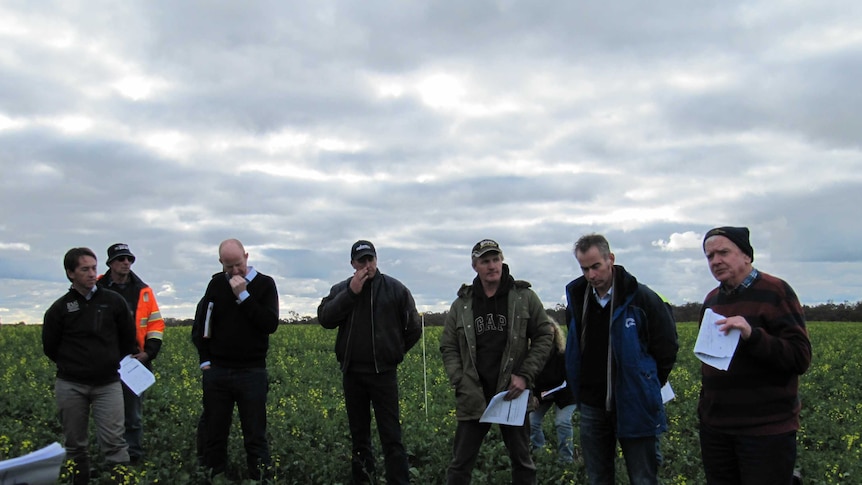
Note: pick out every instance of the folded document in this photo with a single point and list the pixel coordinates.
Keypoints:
(510, 412)
(40, 467)
(713, 347)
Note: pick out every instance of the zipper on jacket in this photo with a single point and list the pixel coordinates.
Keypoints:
(609, 391)
(347, 352)
(373, 337)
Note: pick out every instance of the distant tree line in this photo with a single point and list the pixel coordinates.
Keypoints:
(688, 312)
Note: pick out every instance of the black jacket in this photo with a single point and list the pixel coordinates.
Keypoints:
(552, 376)
(395, 324)
(88, 338)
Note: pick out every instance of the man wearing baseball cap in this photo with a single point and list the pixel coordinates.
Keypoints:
(749, 414)
(377, 324)
(150, 328)
(484, 354)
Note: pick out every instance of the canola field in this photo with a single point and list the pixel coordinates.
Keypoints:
(308, 431)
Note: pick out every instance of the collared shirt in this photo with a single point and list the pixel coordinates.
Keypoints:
(248, 277)
(742, 286)
(604, 300)
(89, 295)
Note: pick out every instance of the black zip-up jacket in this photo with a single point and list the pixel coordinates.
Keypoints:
(395, 323)
(88, 338)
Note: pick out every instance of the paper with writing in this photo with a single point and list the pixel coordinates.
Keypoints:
(511, 412)
(713, 347)
(135, 375)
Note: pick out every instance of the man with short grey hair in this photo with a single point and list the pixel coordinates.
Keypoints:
(621, 347)
(749, 413)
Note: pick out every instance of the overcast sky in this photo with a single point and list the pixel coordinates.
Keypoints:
(301, 126)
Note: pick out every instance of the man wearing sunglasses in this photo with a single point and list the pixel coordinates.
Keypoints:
(150, 328)
(377, 323)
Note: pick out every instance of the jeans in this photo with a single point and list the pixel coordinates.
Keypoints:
(247, 389)
(598, 444)
(563, 425)
(74, 402)
(468, 439)
(134, 422)
(747, 460)
(362, 390)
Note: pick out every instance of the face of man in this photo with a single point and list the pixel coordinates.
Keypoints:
(121, 266)
(233, 260)
(84, 277)
(598, 271)
(368, 263)
(489, 268)
(728, 264)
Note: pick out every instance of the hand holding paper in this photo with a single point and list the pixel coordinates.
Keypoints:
(713, 347)
(510, 412)
(136, 377)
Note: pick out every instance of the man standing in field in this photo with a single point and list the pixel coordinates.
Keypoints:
(233, 322)
(749, 414)
(150, 328)
(377, 324)
(87, 332)
(621, 347)
(496, 337)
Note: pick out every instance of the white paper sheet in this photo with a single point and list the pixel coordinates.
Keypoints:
(667, 393)
(135, 375)
(547, 393)
(40, 467)
(511, 413)
(713, 347)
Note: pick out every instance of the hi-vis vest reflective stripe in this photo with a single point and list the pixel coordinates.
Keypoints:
(148, 318)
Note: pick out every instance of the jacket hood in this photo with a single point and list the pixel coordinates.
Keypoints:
(507, 282)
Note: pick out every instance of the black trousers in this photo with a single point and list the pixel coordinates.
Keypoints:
(362, 391)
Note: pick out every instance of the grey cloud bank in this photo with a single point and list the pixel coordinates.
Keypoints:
(300, 127)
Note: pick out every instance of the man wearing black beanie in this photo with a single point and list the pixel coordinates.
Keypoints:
(749, 414)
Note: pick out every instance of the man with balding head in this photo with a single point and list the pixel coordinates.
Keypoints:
(749, 414)
(233, 321)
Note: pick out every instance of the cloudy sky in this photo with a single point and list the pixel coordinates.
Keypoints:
(302, 126)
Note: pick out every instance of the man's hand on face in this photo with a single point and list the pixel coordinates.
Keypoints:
(359, 278)
(237, 284)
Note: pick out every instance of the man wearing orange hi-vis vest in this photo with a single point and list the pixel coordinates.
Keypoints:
(150, 328)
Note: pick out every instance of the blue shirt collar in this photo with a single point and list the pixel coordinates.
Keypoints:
(747, 282)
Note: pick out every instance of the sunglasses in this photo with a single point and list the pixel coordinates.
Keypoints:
(125, 258)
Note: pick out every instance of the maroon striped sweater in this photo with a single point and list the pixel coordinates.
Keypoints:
(759, 393)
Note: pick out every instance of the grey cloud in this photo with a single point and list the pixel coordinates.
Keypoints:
(637, 120)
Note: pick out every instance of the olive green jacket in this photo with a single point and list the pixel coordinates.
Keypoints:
(531, 337)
